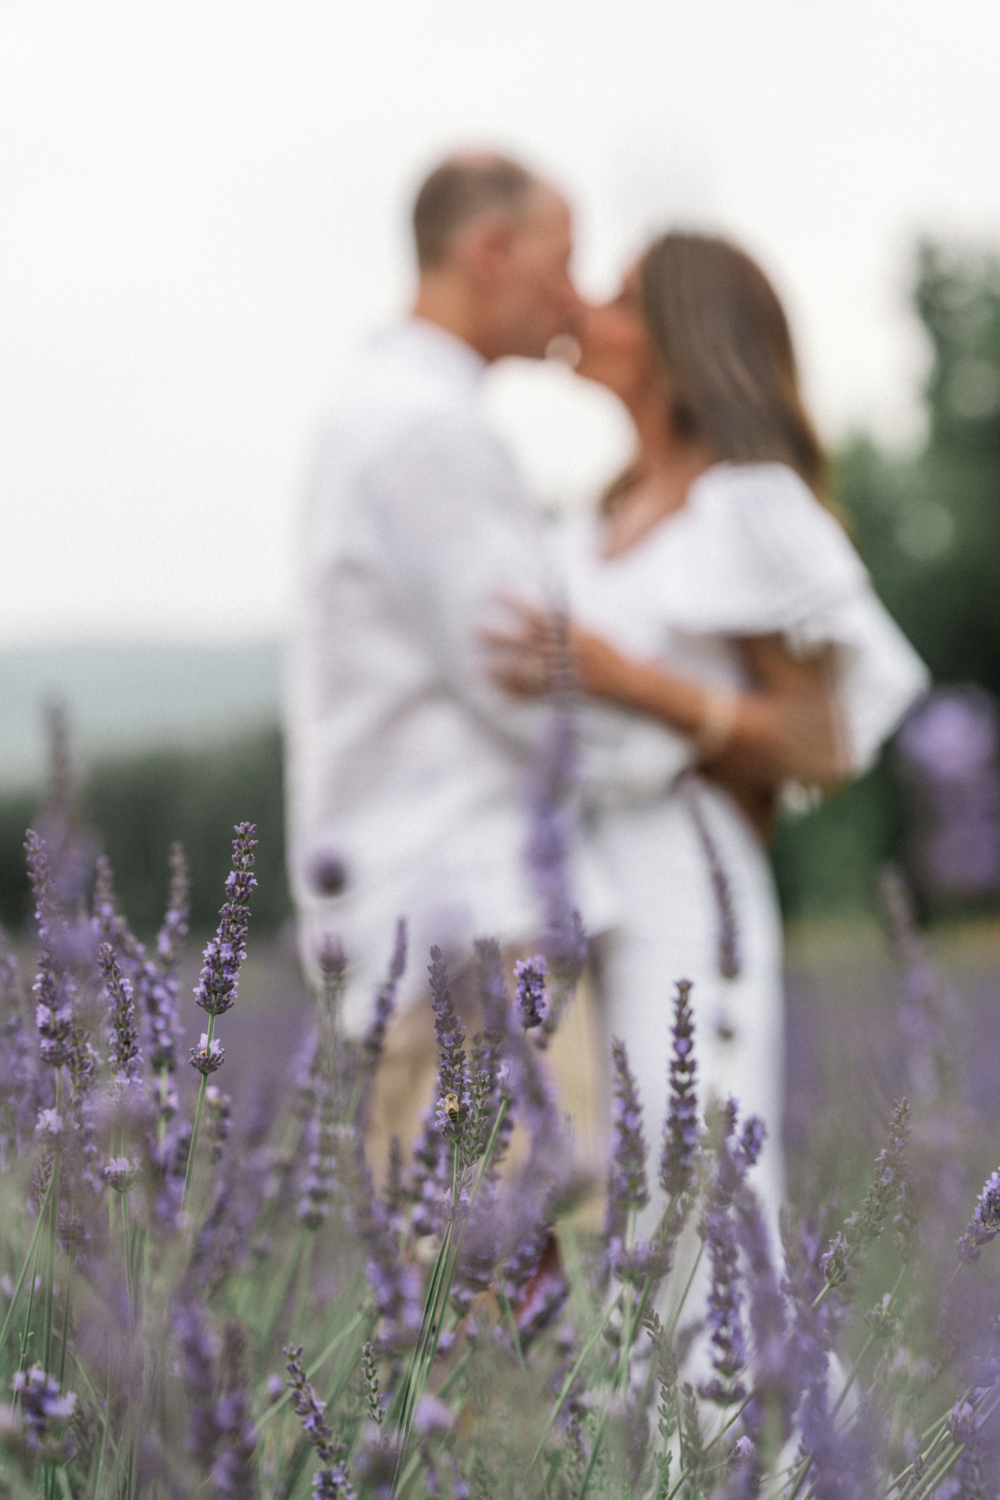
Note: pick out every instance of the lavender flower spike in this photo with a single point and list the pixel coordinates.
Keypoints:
(724, 1314)
(681, 1130)
(234, 1471)
(54, 1008)
(161, 993)
(125, 1055)
(385, 1002)
(627, 1178)
(216, 991)
(331, 1481)
(453, 1069)
(845, 1256)
(530, 990)
(984, 1224)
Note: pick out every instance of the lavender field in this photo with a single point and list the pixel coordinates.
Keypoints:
(206, 1295)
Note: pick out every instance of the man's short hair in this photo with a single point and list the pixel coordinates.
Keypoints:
(460, 190)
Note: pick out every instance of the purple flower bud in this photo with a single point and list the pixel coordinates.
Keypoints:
(984, 1224)
(432, 1418)
(216, 991)
(681, 1130)
(208, 1056)
(530, 974)
(627, 1188)
(125, 1055)
(120, 1173)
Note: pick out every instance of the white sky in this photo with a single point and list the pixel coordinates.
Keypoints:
(203, 211)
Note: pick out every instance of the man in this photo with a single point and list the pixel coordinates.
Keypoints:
(406, 765)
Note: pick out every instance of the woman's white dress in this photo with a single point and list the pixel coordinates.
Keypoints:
(751, 552)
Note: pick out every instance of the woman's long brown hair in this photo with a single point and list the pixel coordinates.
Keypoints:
(722, 335)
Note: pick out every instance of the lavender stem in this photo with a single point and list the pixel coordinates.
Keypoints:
(53, 1230)
(128, 1261)
(570, 1380)
(27, 1260)
(869, 1341)
(313, 1369)
(189, 1170)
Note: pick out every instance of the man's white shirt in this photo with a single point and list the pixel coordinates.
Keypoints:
(407, 767)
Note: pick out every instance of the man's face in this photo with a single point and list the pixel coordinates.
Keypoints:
(534, 293)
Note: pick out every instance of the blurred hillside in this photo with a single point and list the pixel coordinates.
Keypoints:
(928, 527)
(131, 697)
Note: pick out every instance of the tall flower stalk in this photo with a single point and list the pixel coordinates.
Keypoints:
(217, 986)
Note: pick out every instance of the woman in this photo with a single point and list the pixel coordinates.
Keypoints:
(715, 590)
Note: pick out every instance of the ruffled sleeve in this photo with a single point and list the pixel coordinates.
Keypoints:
(759, 555)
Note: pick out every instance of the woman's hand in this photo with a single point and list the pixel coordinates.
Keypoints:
(785, 727)
(524, 658)
(540, 652)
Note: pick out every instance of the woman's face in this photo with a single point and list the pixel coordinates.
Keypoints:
(615, 347)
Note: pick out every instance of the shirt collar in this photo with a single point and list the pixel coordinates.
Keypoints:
(442, 351)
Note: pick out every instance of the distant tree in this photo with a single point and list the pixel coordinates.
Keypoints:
(928, 528)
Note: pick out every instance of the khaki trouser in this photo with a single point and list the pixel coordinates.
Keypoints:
(406, 1079)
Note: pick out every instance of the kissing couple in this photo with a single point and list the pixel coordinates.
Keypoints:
(707, 616)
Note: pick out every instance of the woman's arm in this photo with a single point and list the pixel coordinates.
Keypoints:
(785, 728)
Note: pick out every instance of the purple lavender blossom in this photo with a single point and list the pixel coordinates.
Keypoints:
(453, 1069)
(216, 991)
(432, 1418)
(120, 1174)
(845, 1256)
(320, 1178)
(208, 1056)
(984, 1224)
(768, 1414)
(153, 981)
(199, 1374)
(220, 1114)
(927, 1013)
(627, 1187)
(46, 1414)
(482, 1241)
(835, 1463)
(728, 932)
(681, 1130)
(385, 1002)
(554, 775)
(19, 1098)
(751, 1140)
(396, 1284)
(161, 992)
(498, 1032)
(234, 1471)
(373, 1041)
(529, 992)
(375, 1463)
(964, 1427)
(54, 1007)
(126, 1058)
(331, 1482)
(724, 1314)
(430, 1176)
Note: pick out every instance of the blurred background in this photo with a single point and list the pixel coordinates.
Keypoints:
(205, 210)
